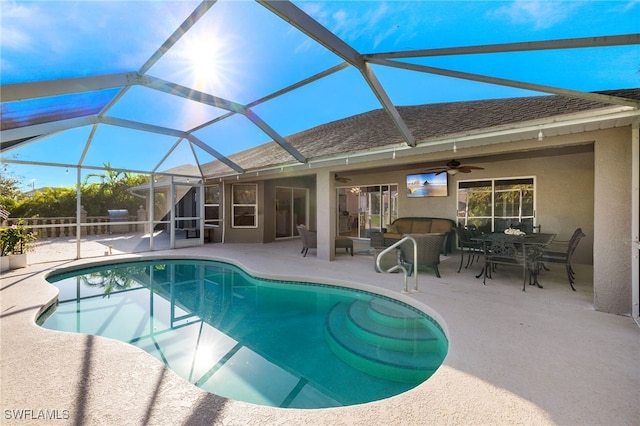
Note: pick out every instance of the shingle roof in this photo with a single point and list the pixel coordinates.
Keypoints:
(374, 129)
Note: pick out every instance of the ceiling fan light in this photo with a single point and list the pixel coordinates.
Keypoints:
(452, 171)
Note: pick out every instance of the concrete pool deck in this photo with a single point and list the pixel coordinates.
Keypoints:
(539, 357)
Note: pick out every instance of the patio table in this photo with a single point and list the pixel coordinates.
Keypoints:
(522, 250)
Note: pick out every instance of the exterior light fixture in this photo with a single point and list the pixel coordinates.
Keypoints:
(540, 136)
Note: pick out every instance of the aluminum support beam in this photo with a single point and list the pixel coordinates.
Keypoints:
(312, 28)
(275, 136)
(170, 132)
(45, 128)
(121, 122)
(194, 95)
(569, 43)
(191, 94)
(297, 18)
(200, 144)
(66, 86)
(178, 33)
(510, 83)
(276, 94)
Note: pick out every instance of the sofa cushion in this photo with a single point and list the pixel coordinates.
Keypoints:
(391, 236)
(403, 226)
(440, 226)
(421, 227)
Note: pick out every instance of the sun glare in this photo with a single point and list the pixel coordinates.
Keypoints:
(204, 59)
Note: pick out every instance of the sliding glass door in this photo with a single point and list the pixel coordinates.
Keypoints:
(362, 209)
(291, 210)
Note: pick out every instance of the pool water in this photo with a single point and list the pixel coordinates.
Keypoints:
(275, 343)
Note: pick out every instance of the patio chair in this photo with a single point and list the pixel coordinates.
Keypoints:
(309, 239)
(345, 243)
(429, 247)
(503, 249)
(472, 248)
(562, 252)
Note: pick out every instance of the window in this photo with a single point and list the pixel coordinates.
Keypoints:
(244, 205)
(496, 204)
(362, 209)
(212, 204)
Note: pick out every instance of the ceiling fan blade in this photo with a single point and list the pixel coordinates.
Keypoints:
(467, 169)
(435, 170)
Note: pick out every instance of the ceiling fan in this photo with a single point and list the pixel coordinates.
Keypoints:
(453, 167)
(341, 179)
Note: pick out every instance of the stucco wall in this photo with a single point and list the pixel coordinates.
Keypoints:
(564, 191)
(588, 187)
(244, 235)
(612, 189)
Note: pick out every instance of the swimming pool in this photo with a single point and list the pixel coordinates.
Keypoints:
(268, 342)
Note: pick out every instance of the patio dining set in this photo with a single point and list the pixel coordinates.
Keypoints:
(530, 251)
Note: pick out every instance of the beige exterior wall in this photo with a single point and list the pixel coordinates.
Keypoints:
(586, 185)
(612, 257)
(564, 193)
(243, 235)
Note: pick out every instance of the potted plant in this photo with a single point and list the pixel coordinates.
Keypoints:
(15, 242)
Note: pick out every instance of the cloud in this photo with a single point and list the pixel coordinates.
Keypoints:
(14, 35)
(350, 24)
(631, 4)
(539, 14)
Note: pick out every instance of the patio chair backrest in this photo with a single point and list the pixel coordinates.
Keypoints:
(573, 243)
(309, 239)
(461, 232)
(502, 246)
(428, 248)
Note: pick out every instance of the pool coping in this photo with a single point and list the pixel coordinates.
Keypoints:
(103, 381)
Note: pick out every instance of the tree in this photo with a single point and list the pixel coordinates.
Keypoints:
(97, 198)
(9, 185)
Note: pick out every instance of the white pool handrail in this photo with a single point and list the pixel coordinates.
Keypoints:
(400, 265)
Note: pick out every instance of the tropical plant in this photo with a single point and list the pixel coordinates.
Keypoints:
(113, 280)
(16, 239)
(97, 197)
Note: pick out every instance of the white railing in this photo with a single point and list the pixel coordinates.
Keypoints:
(400, 266)
(53, 227)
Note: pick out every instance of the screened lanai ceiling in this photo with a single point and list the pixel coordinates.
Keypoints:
(157, 86)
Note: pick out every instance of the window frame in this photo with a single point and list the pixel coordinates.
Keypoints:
(217, 203)
(492, 218)
(248, 206)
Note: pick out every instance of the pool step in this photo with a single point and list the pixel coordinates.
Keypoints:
(410, 334)
(359, 333)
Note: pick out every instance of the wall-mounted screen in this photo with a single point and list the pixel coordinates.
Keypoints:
(427, 185)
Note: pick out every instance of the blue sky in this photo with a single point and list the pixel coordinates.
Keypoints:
(241, 52)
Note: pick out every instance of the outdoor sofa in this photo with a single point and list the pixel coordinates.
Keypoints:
(415, 225)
